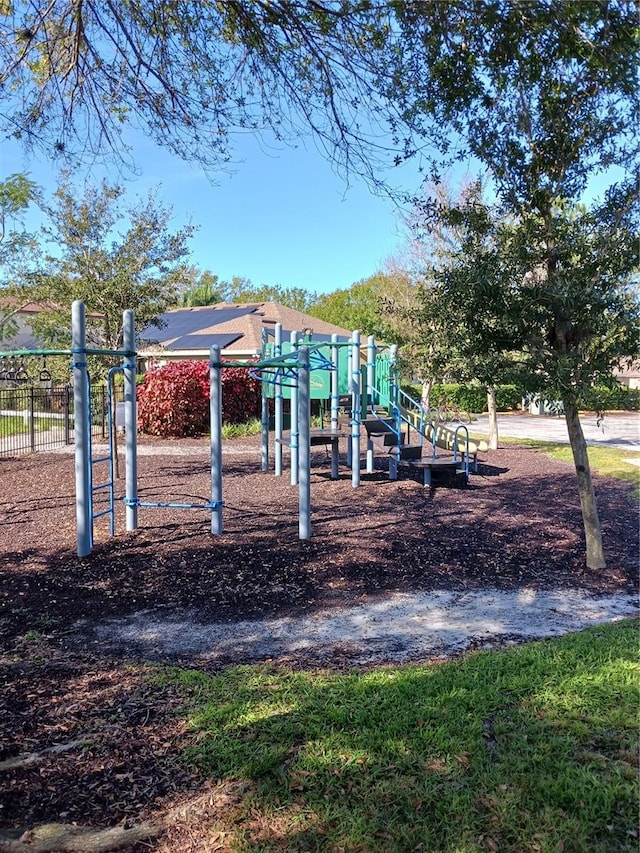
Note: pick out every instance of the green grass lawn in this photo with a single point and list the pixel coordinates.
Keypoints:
(533, 748)
(16, 425)
(608, 461)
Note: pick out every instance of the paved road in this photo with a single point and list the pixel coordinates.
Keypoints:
(616, 430)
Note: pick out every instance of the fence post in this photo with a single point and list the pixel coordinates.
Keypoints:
(32, 420)
(67, 414)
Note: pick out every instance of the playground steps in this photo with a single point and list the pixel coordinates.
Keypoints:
(409, 452)
(428, 465)
(381, 431)
(444, 437)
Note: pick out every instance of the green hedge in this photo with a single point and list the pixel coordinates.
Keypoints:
(473, 398)
(470, 398)
(601, 398)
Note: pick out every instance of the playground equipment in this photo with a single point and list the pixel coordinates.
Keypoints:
(391, 420)
(85, 488)
(84, 462)
(299, 370)
(296, 363)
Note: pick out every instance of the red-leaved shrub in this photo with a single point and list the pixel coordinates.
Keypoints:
(173, 400)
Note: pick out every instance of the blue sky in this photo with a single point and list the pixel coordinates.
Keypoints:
(281, 217)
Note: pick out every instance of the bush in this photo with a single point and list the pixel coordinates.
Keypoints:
(173, 400)
(508, 398)
(473, 398)
(469, 398)
(241, 396)
(602, 398)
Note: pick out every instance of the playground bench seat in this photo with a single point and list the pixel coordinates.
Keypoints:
(317, 436)
(325, 436)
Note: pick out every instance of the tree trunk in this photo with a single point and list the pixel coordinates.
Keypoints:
(492, 409)
(425, 400)
(590, 519)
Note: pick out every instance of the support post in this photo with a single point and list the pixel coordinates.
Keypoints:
(304, 449)
(293, 434)
(215, 417)
(394, 455)
(335, 378)
(371, 401)
(278, 404)
(349, 442)
(355, 410)
(130, 421)
(81, 429)
(264, 445)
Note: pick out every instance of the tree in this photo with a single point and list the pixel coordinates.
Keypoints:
(241, 289)
(17, 192)
(193, 74)
(543, 96)
(451, 336)
(203, 288)
(362, 306)
(554, 335)
(110, 258)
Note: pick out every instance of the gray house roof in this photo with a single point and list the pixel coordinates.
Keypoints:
(234, 328)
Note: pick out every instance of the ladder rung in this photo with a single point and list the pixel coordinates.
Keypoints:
(103, 512)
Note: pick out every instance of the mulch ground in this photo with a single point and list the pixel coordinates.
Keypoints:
(86, 738)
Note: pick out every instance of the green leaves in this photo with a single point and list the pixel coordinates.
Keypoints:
(17, 192)
(109, 257)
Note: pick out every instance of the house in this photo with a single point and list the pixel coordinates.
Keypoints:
(189, 333)
(15, 324)
(629, 376)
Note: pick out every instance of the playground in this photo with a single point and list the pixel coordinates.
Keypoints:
(518, 524)
(295, 567)
(78, 634)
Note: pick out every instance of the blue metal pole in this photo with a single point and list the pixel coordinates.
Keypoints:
(130, 421)
(394, 456)
(81, 428)
(293, 445)
(349, 442)
(304, 449)
(371, 358)
(215, 416)
(355, 410)
(264, 446)
(278, 404)
(335, 378)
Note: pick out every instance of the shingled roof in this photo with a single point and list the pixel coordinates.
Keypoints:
(235, 328)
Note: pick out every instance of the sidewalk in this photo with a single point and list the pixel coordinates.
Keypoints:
(620, 430)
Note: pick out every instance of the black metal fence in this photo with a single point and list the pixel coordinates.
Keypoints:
(36, 418)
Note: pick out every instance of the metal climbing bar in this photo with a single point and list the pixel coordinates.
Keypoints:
(172, 505)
